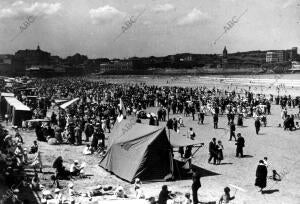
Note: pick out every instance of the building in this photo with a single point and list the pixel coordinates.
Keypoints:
(281, 56)
(293, 53)
(6, 65)
(117, 66)
(33, 57)
(187, 58)
(274, 56)
(10, 66)
(224, 58)
(295, 66)
(271, 57)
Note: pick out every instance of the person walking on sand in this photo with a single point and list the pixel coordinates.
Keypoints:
(216, 119)
(232, 131)
(212, 151)
(240, 143)
(257, 125)
(195, 186)
(261, 176)
(219, 152)
(201, 115)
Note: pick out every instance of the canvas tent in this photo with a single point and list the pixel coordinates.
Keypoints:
(3, 103)
(65, 105)
(138, 151)
(16, 110)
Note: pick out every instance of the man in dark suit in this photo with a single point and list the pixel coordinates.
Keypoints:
(240, 144)
(232, 131)
(195, 185)
(212, 150)
(257, 125)
(216, 119)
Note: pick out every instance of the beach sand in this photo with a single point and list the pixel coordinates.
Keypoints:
(281, 147)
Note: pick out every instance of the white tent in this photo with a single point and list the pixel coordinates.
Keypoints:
(16, 110)
(65, 105)
(18, 105)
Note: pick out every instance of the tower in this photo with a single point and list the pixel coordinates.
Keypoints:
(225, 53)
(224, 58)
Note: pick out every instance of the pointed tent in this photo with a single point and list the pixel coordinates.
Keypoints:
(138, 151)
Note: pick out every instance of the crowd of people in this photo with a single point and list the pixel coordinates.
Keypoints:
(100, 104)
(14, 159)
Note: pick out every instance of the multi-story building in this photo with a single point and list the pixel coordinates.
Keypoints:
(281, 55)
(274, 56)
(33, 57)
(117, 65)
(271, 57)
(293, 53)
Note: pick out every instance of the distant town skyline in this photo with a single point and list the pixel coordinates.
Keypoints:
(162, 28)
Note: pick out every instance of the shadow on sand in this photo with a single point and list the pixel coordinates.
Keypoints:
(270, 191)
(184, 174)
(247, 156)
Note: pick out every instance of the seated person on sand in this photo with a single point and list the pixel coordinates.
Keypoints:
(18, 137)
(72, 192)
(297, 126)
(61, 172)
(137, 183)
(34, 148)
(99, 191)
(35, 183)
(225, 198)
(164, 195)
(37, 162)
(120, 193)
(275, 176)
(58, 195)
(187, 199)
(87, 150)
(46, 195)
(76, 169)
(139, 193)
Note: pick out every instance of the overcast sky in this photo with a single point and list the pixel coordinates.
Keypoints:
(91, 27)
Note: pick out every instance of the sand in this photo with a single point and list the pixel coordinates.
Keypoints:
(281, 147)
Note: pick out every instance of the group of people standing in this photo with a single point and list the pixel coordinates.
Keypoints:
(216, 151)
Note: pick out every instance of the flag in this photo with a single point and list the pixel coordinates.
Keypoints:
(122, 108)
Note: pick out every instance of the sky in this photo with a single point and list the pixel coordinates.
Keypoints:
(102, 28)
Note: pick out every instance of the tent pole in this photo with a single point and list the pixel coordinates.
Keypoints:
(171, 152)
(171, 163)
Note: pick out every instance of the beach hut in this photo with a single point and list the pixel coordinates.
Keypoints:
(17, 111)
(3, 103)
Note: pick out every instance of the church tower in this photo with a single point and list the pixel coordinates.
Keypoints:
(225, 53)
(224, 57)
